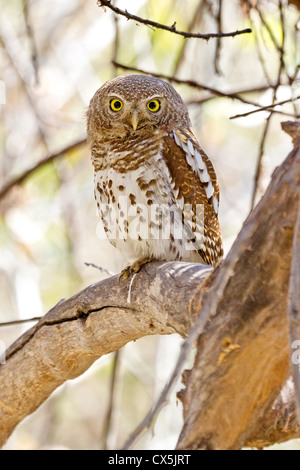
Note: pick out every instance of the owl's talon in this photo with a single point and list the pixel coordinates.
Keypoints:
(125, 273)
(135, 267)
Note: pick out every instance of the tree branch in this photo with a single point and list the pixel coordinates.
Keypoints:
(171, 29)
(44, 161)
(234, 393)
(197, 85)
(96, 321)
(242, 361)
(268, 108)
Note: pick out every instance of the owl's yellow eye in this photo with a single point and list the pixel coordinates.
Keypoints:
(153, 106)
(116, 104)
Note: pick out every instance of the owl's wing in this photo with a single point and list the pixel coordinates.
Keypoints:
(195, 186)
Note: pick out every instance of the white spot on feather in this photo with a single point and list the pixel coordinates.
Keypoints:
(209, 189)
(199, 159)
(216, 204)
(191, 147)
(204, 176)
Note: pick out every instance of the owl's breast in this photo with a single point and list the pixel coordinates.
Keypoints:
(134, 206)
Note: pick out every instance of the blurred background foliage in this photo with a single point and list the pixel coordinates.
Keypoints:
(54, 56)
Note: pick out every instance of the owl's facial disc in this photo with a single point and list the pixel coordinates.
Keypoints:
(135, 115)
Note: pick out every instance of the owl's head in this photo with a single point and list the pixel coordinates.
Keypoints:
(134, 103)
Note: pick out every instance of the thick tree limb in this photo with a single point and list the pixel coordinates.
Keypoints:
(279, 422)
(96, 321)
(243, 358)
(233, 394)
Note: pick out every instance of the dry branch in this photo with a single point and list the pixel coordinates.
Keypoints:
(96, 321)
(171, 29)
(243, 358)
(234, 394)
(200, 86)
(73, 146)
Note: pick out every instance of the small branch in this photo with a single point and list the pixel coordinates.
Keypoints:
(259, 52)
(193, 84)
(259, 164)
(268, 121)
(148, 421)
(112, 392)
(200, 101)
(183, 45)
(44, 161)
(100, 268)
(171, 29)
(269, 107)
(24, 70)
(219, 40)
(20, 321)
(115, 44)
(263, 21)
(34, 54)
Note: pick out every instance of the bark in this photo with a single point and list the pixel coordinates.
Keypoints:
(96, 321)
(234, 394)
(243, 359)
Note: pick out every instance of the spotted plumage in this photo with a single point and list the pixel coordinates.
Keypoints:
(156, 190)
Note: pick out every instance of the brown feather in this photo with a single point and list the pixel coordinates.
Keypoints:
(192, 190)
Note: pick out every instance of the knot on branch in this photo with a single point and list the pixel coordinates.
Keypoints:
(293, 129)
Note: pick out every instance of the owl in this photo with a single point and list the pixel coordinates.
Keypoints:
(156, 190)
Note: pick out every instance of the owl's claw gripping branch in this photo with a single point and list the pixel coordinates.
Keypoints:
(125, 273)
(135, 267)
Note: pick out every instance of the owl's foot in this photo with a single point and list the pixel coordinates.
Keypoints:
(125, 273)
(135, 267)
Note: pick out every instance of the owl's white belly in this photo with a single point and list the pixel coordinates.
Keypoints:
(139, 215)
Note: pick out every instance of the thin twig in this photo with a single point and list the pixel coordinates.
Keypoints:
(269, 107)
(115, 44)
(258, 170)
(171, 29)
(100, 268)
(259, 52)
(19, 322)
(24, 71)
(199, 101)
(219, 40)
(193, 84)
(182, 48)
(264, 22)
(149, 419)
(281, 67)
(34, 54)
(112, 395)
(47, 159)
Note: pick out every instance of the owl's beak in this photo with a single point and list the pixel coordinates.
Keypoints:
(135, 119)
